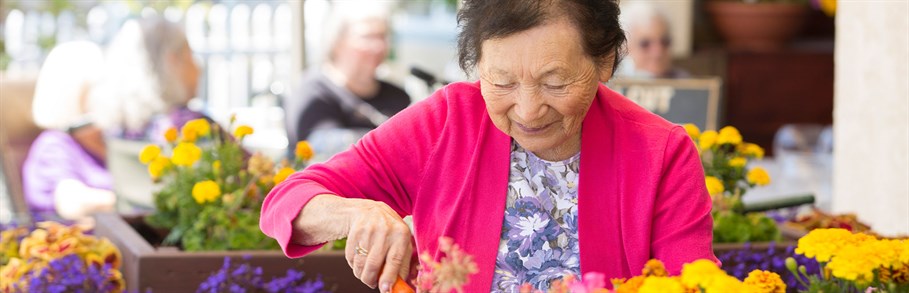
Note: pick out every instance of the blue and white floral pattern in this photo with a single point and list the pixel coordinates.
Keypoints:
(539, 241)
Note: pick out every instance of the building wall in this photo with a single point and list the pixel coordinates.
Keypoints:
(871, 113)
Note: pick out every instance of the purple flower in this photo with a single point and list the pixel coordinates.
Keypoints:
(240, 278)
(739, 263)
(71, 274)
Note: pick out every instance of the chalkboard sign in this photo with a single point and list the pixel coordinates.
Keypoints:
(680, 101)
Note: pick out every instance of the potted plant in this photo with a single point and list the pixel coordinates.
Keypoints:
(758, 25)
(58, 258)
(725, 157)
(207, 209)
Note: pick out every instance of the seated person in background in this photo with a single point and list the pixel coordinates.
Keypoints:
(64, 174)
(150, 76)
(649, 43)
(338, 103)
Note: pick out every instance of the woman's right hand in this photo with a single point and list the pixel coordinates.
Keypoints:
(379, 243)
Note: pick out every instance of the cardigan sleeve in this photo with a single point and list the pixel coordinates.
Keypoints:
(385, 165)
(682, 224)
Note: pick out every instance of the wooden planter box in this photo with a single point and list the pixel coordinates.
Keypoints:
(167, 269)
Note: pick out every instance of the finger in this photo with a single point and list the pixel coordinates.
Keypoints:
(376, 259)
(359, 263)
(393, 262)
(350, 250)
(404, 271)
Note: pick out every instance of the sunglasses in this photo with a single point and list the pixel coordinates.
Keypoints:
(646, 43)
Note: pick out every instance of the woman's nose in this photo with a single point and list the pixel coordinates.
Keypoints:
(529, 106)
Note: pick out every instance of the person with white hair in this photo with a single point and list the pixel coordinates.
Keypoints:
(649, 43)
(338, 102)
(64, 173)
(149, 78)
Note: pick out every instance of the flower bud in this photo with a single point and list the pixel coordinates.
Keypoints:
(790, 264)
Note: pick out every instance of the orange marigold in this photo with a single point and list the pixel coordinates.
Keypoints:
(766, 281)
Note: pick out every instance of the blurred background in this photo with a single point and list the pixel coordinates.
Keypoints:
(822, 86)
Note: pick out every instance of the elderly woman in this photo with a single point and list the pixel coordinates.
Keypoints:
(64, 174)
(649, 43)
(150, 76)
(537, 170)
(337, 103)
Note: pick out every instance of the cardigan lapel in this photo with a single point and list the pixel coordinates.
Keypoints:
(600, 236)
(491, 190)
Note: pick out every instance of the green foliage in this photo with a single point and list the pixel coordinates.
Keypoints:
(724, 156)
(733, 227)
(231, 221)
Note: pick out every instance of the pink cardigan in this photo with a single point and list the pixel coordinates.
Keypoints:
(641, 187)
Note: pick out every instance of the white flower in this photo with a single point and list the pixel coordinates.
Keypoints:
(529, 225)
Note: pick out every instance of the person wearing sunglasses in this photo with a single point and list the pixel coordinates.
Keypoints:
(649, 44)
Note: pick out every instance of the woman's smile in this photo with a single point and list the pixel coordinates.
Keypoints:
(533, 130)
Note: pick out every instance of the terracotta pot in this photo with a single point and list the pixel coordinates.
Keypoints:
(757, 27)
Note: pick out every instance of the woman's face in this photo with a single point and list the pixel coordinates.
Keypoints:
(365, 43)
(188, 71)
(648, 46)
(538, 85)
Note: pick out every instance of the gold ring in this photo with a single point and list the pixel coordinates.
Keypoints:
(362, 251)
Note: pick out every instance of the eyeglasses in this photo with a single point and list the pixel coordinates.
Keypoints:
(646, 43)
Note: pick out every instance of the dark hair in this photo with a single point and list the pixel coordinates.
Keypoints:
(596, 20)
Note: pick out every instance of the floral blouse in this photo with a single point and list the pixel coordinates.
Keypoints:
(540, 232)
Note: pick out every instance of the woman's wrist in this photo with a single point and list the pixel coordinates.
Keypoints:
(326, 217)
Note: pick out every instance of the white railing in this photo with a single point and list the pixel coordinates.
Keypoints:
(243, 46)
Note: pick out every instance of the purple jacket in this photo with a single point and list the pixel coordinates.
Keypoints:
(53, 157)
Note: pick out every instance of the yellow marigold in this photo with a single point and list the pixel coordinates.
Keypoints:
(158, 166)
(303, 151)
(904, 252)
(729, 135)
(693, 131)
(206, 191)
(714, 185)
(661, 285)
(764, 281)
(700, 273)
(170, 135)
(282, 174)
(195, 128)
(725, 284)
(738, 162)
(751, 150)
(884, 252)
(855, 263)
(823, 244)
(654, 268)
(216, 166)
(186, 154)
(708, 139)
(242, 131)
(630, 286)
(149, 153)
(758, 176)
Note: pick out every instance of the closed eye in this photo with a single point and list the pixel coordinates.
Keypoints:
(555, 87)
(503, 85)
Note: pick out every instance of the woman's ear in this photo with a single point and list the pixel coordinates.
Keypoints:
(607, 63)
